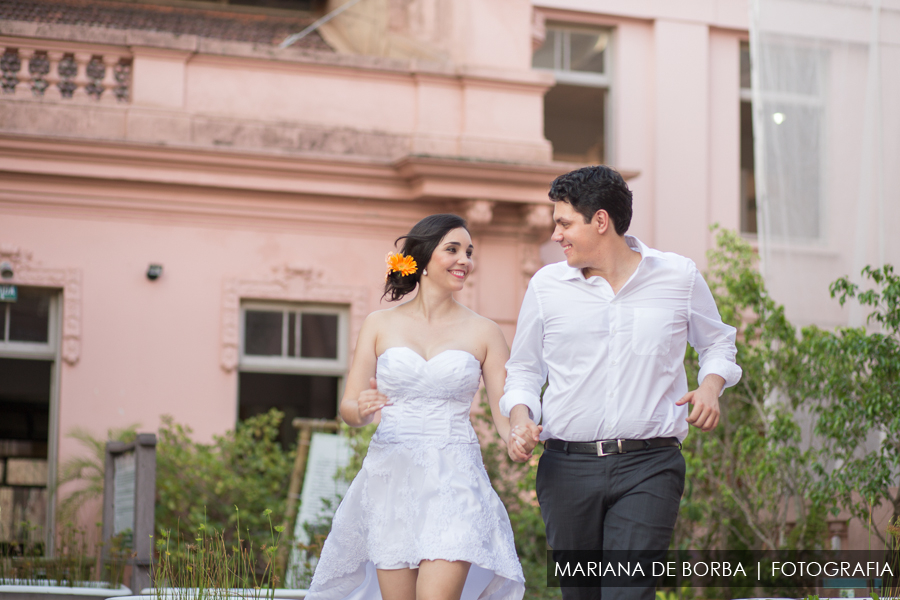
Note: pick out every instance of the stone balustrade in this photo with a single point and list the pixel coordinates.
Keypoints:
(60, 71)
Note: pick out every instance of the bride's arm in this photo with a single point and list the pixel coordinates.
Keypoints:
(361, 397)
(493, 370)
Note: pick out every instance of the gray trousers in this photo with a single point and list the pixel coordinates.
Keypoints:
(619, 502)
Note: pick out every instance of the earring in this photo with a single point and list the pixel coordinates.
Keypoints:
(425, 272)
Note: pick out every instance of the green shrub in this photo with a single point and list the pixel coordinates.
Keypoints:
(201, 485)
(743, 477)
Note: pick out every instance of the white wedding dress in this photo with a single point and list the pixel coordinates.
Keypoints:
(422, 492)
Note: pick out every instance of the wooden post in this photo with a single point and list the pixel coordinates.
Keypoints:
(144, 510)
(305, 427)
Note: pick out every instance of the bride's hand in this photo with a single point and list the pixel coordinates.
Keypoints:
(522, 441)
(371, 401)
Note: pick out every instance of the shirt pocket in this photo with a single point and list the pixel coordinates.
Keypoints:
(652, 331)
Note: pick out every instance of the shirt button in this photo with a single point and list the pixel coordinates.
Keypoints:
(613, 331)
(615, 361)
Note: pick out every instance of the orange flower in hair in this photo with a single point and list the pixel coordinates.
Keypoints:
(405, 265)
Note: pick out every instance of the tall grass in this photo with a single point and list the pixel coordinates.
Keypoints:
(77, 563)
(207, 566)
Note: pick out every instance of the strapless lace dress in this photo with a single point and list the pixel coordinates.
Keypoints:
(422, 492)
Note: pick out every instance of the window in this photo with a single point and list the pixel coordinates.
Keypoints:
(576, 108)
(28, 324)
(792, 111)
(293, 358)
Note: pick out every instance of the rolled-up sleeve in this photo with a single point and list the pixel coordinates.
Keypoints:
(526, 371)
(710, 337)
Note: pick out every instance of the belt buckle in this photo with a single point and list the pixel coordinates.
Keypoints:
(617, 450)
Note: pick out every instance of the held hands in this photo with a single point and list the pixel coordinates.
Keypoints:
(371, 401)
(705, 414)
(524, 435)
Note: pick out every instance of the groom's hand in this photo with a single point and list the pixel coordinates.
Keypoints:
(524, 435)
(705, 400)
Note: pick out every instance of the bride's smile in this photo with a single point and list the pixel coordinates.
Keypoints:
(453, 256)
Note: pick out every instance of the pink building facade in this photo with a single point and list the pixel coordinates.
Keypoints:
(268, 184)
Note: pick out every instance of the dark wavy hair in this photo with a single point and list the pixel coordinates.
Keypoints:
(420, 243)
(590, 189)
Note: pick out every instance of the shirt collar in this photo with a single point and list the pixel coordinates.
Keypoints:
(574, 273)
(639, 246)
(571, 273)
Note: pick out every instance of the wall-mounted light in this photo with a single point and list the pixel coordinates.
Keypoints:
(6, 270)
(778, 118)
(153, 272)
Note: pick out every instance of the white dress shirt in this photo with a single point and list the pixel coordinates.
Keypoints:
(615, 361)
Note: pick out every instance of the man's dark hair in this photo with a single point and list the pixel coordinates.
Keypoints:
(420, 243)
(590, 189)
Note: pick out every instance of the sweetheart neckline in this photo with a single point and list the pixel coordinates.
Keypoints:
(428, 360)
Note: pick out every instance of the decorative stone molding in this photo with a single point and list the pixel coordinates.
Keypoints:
(286, 283)
(539, 216)
(479, 212)
(27, 272)
(538, 30)
(531, 260)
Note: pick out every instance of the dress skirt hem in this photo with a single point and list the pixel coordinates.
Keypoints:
(419, 501)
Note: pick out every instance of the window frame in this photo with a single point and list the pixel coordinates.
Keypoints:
(296, 365)
(50, 351)
(584, 78)
(34, 350)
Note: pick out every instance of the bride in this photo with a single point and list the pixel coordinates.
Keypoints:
(421, 520)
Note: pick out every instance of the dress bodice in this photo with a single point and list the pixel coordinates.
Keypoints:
(430, 399)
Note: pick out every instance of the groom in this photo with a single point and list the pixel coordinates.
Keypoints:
(608, 327)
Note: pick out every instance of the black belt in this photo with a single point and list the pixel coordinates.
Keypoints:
(606, 447)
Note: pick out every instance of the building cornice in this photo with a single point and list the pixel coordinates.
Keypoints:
(67, 177)
(410, 179)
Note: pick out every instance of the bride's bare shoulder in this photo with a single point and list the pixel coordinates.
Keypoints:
(482, 325)
(385, 317)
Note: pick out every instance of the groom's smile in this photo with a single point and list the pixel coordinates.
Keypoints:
(572, 234)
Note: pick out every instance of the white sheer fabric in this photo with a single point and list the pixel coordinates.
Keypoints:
(826, 87)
